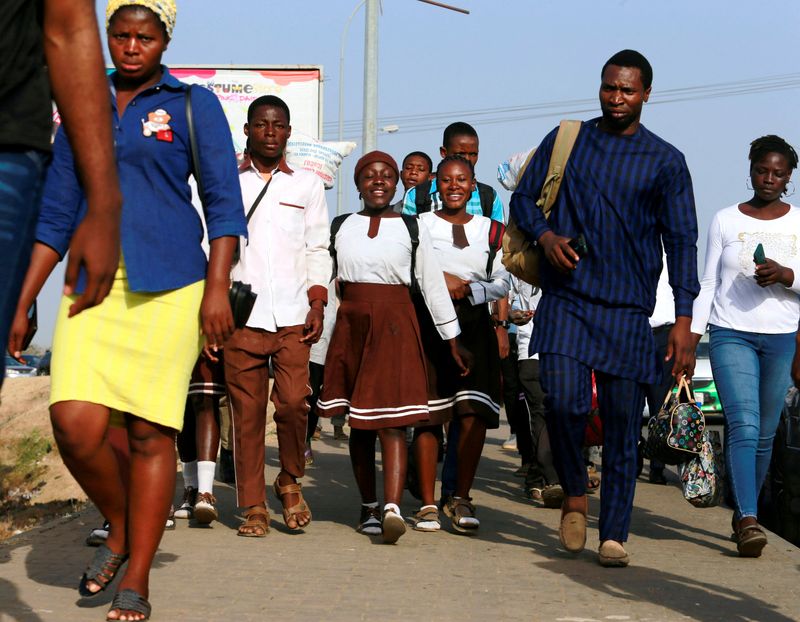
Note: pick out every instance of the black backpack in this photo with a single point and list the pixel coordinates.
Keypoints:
(413, 233)
(424, 202)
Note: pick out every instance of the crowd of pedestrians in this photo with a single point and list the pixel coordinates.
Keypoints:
(396, 316)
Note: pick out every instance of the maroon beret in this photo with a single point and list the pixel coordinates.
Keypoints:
(375, 156)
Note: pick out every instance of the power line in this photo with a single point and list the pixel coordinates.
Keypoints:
(508, 114)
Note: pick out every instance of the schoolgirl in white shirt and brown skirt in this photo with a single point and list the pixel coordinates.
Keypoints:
(469, 251)
(375, 368)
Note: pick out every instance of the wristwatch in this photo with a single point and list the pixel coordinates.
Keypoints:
(501, 324)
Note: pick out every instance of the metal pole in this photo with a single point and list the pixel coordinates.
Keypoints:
(339, 181)
(369, 138)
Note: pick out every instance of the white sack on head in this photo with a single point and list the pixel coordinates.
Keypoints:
(321, 157)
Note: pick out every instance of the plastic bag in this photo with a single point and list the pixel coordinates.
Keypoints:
(508, 171)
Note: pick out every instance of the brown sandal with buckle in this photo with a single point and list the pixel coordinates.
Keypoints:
(301, 507)
(256, 523)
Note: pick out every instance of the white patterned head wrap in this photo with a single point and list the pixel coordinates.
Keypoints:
(165, 10)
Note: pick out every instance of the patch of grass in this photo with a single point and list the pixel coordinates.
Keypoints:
(21, 474)
(31, 449)
(19, 477)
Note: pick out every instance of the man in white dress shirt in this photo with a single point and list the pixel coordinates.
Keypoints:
(286, 262)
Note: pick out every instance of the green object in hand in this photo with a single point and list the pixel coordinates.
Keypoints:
(758, 255)
(579, 245)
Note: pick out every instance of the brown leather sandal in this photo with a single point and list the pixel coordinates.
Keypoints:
(256, 523)
(300, 507)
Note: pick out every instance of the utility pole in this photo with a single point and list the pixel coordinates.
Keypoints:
(369, 138)
(339, 181)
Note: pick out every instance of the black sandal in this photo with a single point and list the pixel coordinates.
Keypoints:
(130, 600)
(101, 570)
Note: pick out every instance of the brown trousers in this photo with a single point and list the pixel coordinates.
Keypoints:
(247, 355)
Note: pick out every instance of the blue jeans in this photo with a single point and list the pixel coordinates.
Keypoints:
(752, 374)
(21, 176)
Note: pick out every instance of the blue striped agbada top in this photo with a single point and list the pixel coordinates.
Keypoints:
(628, 195)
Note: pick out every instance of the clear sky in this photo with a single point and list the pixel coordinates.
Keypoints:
(725, 72)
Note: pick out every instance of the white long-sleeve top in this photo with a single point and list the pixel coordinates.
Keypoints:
(524, 297)
(729, 295)
(386, 259)
(286, 259)
(469, 263)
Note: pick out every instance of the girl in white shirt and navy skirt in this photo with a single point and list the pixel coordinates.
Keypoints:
(375, 368)
(469, 250)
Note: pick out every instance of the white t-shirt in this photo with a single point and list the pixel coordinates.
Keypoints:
(729, 295)
(386, 259)
(469, 263)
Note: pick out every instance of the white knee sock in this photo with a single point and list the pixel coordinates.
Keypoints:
(205, 475)
(190, 474)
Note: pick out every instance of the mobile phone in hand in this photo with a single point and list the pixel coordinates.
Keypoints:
(579, 245)
(758, 255)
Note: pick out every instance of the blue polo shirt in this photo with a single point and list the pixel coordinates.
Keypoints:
(473, 204)
(161, 231)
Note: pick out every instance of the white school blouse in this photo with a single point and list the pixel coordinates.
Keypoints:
(386, 259)
(469, 263)
(729, 295)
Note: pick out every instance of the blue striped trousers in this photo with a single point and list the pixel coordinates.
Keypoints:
(567, 384)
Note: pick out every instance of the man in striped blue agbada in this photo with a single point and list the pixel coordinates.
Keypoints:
(629, 193)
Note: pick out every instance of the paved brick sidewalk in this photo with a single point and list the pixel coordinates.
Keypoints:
(683, 566)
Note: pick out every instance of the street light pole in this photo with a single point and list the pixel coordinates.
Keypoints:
(369, 137)
(369, 134)
(339, 181)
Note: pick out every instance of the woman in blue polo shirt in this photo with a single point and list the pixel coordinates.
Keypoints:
(131, 357)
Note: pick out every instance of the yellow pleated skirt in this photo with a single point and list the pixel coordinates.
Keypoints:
(134, 353)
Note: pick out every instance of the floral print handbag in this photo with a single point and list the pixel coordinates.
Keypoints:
(703, 476)
(675, 433)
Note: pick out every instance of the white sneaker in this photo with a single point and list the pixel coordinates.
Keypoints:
(511, 443)
(186, 508)
(98, 535)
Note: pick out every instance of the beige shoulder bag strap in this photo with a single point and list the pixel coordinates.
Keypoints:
(565, 141)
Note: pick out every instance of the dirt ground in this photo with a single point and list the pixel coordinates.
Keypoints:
(34, 483)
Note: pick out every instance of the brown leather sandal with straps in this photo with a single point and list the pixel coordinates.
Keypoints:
(301, 507)
(256, 523)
